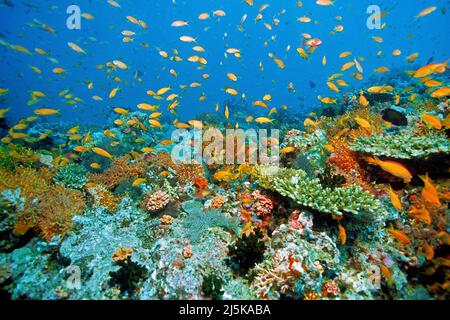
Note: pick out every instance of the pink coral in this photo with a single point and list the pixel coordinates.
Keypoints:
(330, 288)
(263, 205)
(187, 252)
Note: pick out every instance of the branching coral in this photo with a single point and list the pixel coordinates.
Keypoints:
(157, 201)
(72, 175)
(310, 193)
(403, 145)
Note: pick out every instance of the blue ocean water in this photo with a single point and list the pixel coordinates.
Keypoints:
(102, 40)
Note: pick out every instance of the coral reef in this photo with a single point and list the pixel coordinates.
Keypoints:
(310, 193)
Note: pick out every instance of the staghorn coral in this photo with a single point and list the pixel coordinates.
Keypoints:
(404, 145)
(157, 201)
(310, 193)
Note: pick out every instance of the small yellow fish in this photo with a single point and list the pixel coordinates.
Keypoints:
(120, 111)
(75, 47)
(113, 93)
(395, 200)
(46, 112)
(138, 182)
(102, 152)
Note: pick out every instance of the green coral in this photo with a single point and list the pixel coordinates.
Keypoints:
(198, 220)
(308, 192)
(404, 145)
(72, 176)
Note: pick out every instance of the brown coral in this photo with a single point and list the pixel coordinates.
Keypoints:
(343, 157)
(156, 201)
(161, 159)
(103, 197)
(48, 209)
(187, 252)
(56, 210)
(218, 202)
(122, 254)
(166, 219)
(187, 173)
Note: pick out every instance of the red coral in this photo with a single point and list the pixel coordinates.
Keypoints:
(201, 184)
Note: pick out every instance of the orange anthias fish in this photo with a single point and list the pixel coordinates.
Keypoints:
(392, 167)
(385, 271)
(342, 234)
(421, 214)
(400, 236)
(428, 251)
(429, 192)
(432, 120)
(430, 69)
(395, 200)
(201, 184)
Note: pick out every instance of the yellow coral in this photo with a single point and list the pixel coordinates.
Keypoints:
(122, 254)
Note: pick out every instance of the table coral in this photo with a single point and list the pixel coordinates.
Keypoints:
(310, 193)
(404, 145)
